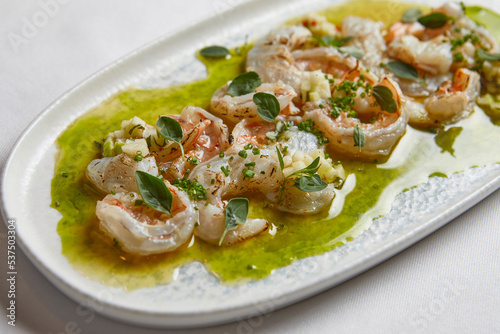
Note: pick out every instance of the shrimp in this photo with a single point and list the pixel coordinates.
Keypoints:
(327, 59)
(432, 56)
(236, 108)
(272, 58)
(225, 178)
(367, 36)
(381, 129)
(145, 231)
(117, 173)
(205, 136)
(454, 100)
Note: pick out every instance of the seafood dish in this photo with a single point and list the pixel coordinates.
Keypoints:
(285, 156)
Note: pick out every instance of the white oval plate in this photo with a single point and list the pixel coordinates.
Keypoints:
(196, 298)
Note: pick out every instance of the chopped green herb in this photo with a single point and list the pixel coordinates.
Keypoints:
(224, 170)
(138, 156)
(242, 154)
(255, 151)
(247, 173)
(221, 155)
(194, 190)
(193, 161)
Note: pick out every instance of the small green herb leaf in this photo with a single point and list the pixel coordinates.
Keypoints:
(214, 51)
(330, 41)
(310, 183)
(280, 158)
(433, 20)
(154, 192)
(268, 106)
(340, 42)
(359, 137)
(171, 129)
(488, 56)
(236, 213)
(323, 41)
(403, 70)
(309, 170)
(411, 15)
(352, 51)
(244, 84)
(384, 98)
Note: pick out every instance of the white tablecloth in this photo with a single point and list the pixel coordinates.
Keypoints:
(447, 283)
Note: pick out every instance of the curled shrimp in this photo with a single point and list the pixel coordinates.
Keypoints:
(272, 58)
(205, 136)
(327, 59)
(366, 35)
(142, 230)
(432, 56)
(117, 173)
(382, 129)
(225, 178)
(454, 100)
(236, 108)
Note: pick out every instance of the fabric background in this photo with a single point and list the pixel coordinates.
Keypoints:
(446, 283)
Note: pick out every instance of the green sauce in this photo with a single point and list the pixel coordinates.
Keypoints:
(418, 156)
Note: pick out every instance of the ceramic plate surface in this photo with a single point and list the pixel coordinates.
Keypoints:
(196, 298)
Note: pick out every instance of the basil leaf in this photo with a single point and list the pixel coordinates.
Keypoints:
(403, 70)
(359, 137)
(488, 56)
(384, 98)
(244, 84)
(214, 51)
(170, 129)
(280, 158)
(335, 42)
(330, 41)
(310, 183)
(236, 213)
(352, 51)
(434, 20)
(268, 106)
(323, 41)
(154, 192)
(411, 15)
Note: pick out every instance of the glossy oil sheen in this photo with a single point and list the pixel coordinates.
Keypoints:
(419, 154)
